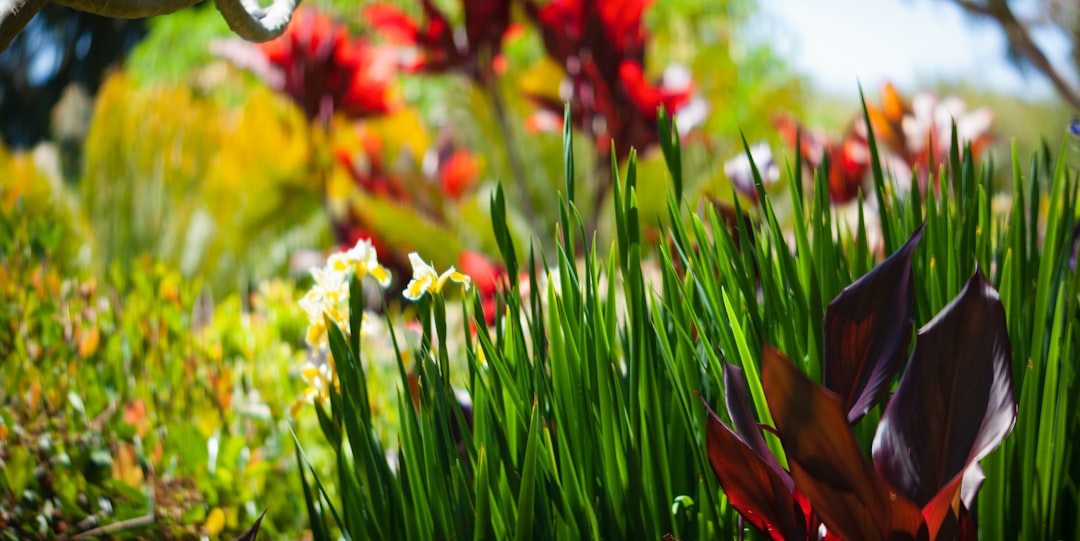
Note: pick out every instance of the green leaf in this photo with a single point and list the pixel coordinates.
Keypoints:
(527, 495)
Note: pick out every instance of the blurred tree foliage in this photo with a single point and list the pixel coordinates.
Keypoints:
(219, 193)
(221, 144)
(1019, 20)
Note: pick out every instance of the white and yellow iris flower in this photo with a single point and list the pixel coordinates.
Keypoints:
(426, 280)
(363, 260)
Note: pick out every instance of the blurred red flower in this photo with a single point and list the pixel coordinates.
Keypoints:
(458, 172)
(486, 276)
(849, 157)
(323, 70)
(440, 48)
(601, 46)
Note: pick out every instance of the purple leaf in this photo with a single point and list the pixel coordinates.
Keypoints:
(867, 332)
(953, 405)
(742, 416)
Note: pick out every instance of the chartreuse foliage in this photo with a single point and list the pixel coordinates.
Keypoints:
(217, 192)
(585, 415)
(129, 407)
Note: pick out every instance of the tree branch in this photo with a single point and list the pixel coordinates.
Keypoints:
(126, 9)
(14, 15)
(245, 17)
(255, 23)
(1021, 41)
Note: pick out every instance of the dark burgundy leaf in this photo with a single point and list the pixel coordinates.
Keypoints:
(826, 463)
(753, 486)
(953, 405)
(252, 532)
(742, 416)
(867, 332)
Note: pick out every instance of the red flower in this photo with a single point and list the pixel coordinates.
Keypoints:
(486, 276)
(368, 171)
(458, 173)
(317, 64)
(601, 45)
(610, 30)
(849, 158)
(486, 24)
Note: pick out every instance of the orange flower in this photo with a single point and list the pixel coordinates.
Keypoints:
(919, 132)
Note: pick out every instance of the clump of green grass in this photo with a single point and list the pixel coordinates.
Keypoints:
(584, 415)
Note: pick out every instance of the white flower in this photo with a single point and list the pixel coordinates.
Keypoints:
(738, 169)
(426, 280)
(363, 260)
(330, 285)
(319, 376)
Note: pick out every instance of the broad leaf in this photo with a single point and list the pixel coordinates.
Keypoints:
(753, 481)
(826, 463)
(867, 332)
(954, 403)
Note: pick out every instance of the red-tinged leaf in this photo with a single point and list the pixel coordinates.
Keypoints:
(968, 529)
(955, 402)
(826, 463)
(867, 332)
(754, 487)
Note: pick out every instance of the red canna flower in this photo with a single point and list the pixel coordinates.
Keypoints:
(440, 48)
(849, 158)
(317, 64)
(458, 173)
(601, 45)
(609, 30)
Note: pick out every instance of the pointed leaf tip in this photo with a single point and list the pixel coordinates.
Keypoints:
(868, 329)
(742, 416)
(252, 532)
(954, 404)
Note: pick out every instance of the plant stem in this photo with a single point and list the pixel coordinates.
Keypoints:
(129, 524)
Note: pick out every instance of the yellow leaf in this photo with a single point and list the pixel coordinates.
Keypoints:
(215, 522)
(89, 339)
(126, 465)
(401, 132)
(543, 79)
